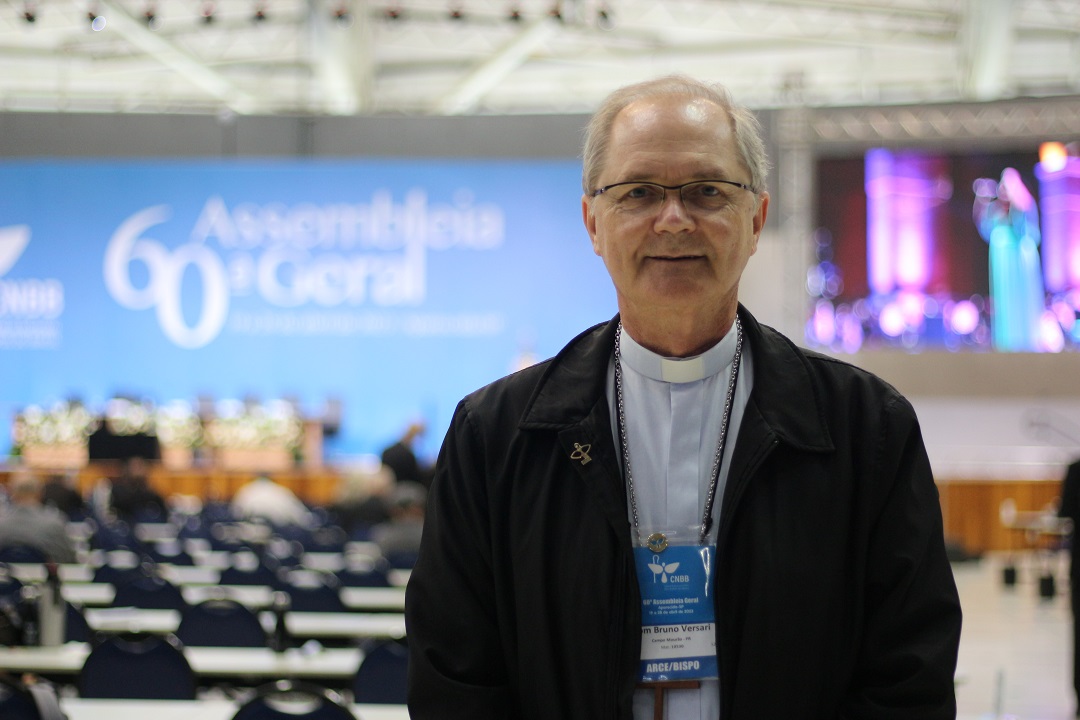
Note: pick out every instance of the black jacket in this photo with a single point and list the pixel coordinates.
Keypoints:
(834, 595)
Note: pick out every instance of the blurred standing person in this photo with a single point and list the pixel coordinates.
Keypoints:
(1070, 508)
(401, 457)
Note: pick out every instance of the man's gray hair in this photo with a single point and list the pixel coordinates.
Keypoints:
(745, 125)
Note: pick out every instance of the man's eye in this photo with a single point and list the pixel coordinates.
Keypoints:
(705, 190)
(642, 192)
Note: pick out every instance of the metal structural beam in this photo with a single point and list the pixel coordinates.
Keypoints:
(342, 58)
(168, 54)
(987, 34)
(489, 73)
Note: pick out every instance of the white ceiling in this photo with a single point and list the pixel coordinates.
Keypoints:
(301, 60)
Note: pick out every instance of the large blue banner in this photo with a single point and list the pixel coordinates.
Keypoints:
(394, 287)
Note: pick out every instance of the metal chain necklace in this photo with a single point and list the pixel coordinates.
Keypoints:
(658, 542)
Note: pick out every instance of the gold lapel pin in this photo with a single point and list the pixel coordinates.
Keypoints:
(581, 452)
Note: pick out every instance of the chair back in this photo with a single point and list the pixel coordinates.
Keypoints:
(246, 568)
(22, 554)
(121, 565)
(150, 667)
(354, 577)
(76, 629)
(383, 674)
(10, 586)
(149, 593)
(329, 538)
(16, 702)
(170, 553)
(221, 622)
(314, 591)
(402, 559)
(117, 535)
(292, 700)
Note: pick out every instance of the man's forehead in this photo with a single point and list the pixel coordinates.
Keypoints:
(656, 135)
(694, 112)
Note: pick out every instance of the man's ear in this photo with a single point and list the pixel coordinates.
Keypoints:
(761, 213)
(589, 219)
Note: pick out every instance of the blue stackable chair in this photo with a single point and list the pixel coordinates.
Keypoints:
(221, 622)
(370, 577)
(10, 586)
(291, 700)
(152, 667)
(250, 571)
(16, 702)
(383, 673)
(76, 629)
(314, 591)
(22, 554)
(149, 593)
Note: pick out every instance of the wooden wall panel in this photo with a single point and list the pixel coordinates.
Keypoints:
(972, 510)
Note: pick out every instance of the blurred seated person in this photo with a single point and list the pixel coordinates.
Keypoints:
(25, 521)
(131, 497)
(59, 492)
(264, 499)
(363, 496)
(401, 534)
(401, 457)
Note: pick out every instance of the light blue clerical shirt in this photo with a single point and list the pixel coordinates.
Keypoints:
(674, 408)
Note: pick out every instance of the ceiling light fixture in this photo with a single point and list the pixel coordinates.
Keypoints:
(207, 12)
(604, 20)
(342, 16)
(96, 19)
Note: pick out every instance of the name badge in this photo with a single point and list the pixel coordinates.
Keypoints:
(678, 622)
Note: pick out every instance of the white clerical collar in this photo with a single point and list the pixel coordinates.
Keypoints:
(677, 370)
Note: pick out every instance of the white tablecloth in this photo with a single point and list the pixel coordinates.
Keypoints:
(80, 709)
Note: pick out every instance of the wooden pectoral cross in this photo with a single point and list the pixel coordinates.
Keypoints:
(661, 687)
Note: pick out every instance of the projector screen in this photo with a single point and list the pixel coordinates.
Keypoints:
(388, 289)
(973, 251)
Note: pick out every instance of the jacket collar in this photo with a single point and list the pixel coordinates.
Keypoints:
(575, 379)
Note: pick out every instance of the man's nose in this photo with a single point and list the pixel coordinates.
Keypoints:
(673, 215)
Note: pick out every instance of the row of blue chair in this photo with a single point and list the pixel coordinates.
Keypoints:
(307, 591)
(277, 700)
(154, 667)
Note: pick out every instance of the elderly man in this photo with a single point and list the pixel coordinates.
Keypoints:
(682, 514)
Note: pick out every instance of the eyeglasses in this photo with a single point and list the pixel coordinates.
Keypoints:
(705, 196)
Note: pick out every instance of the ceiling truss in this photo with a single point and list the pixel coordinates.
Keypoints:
(349, 57)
